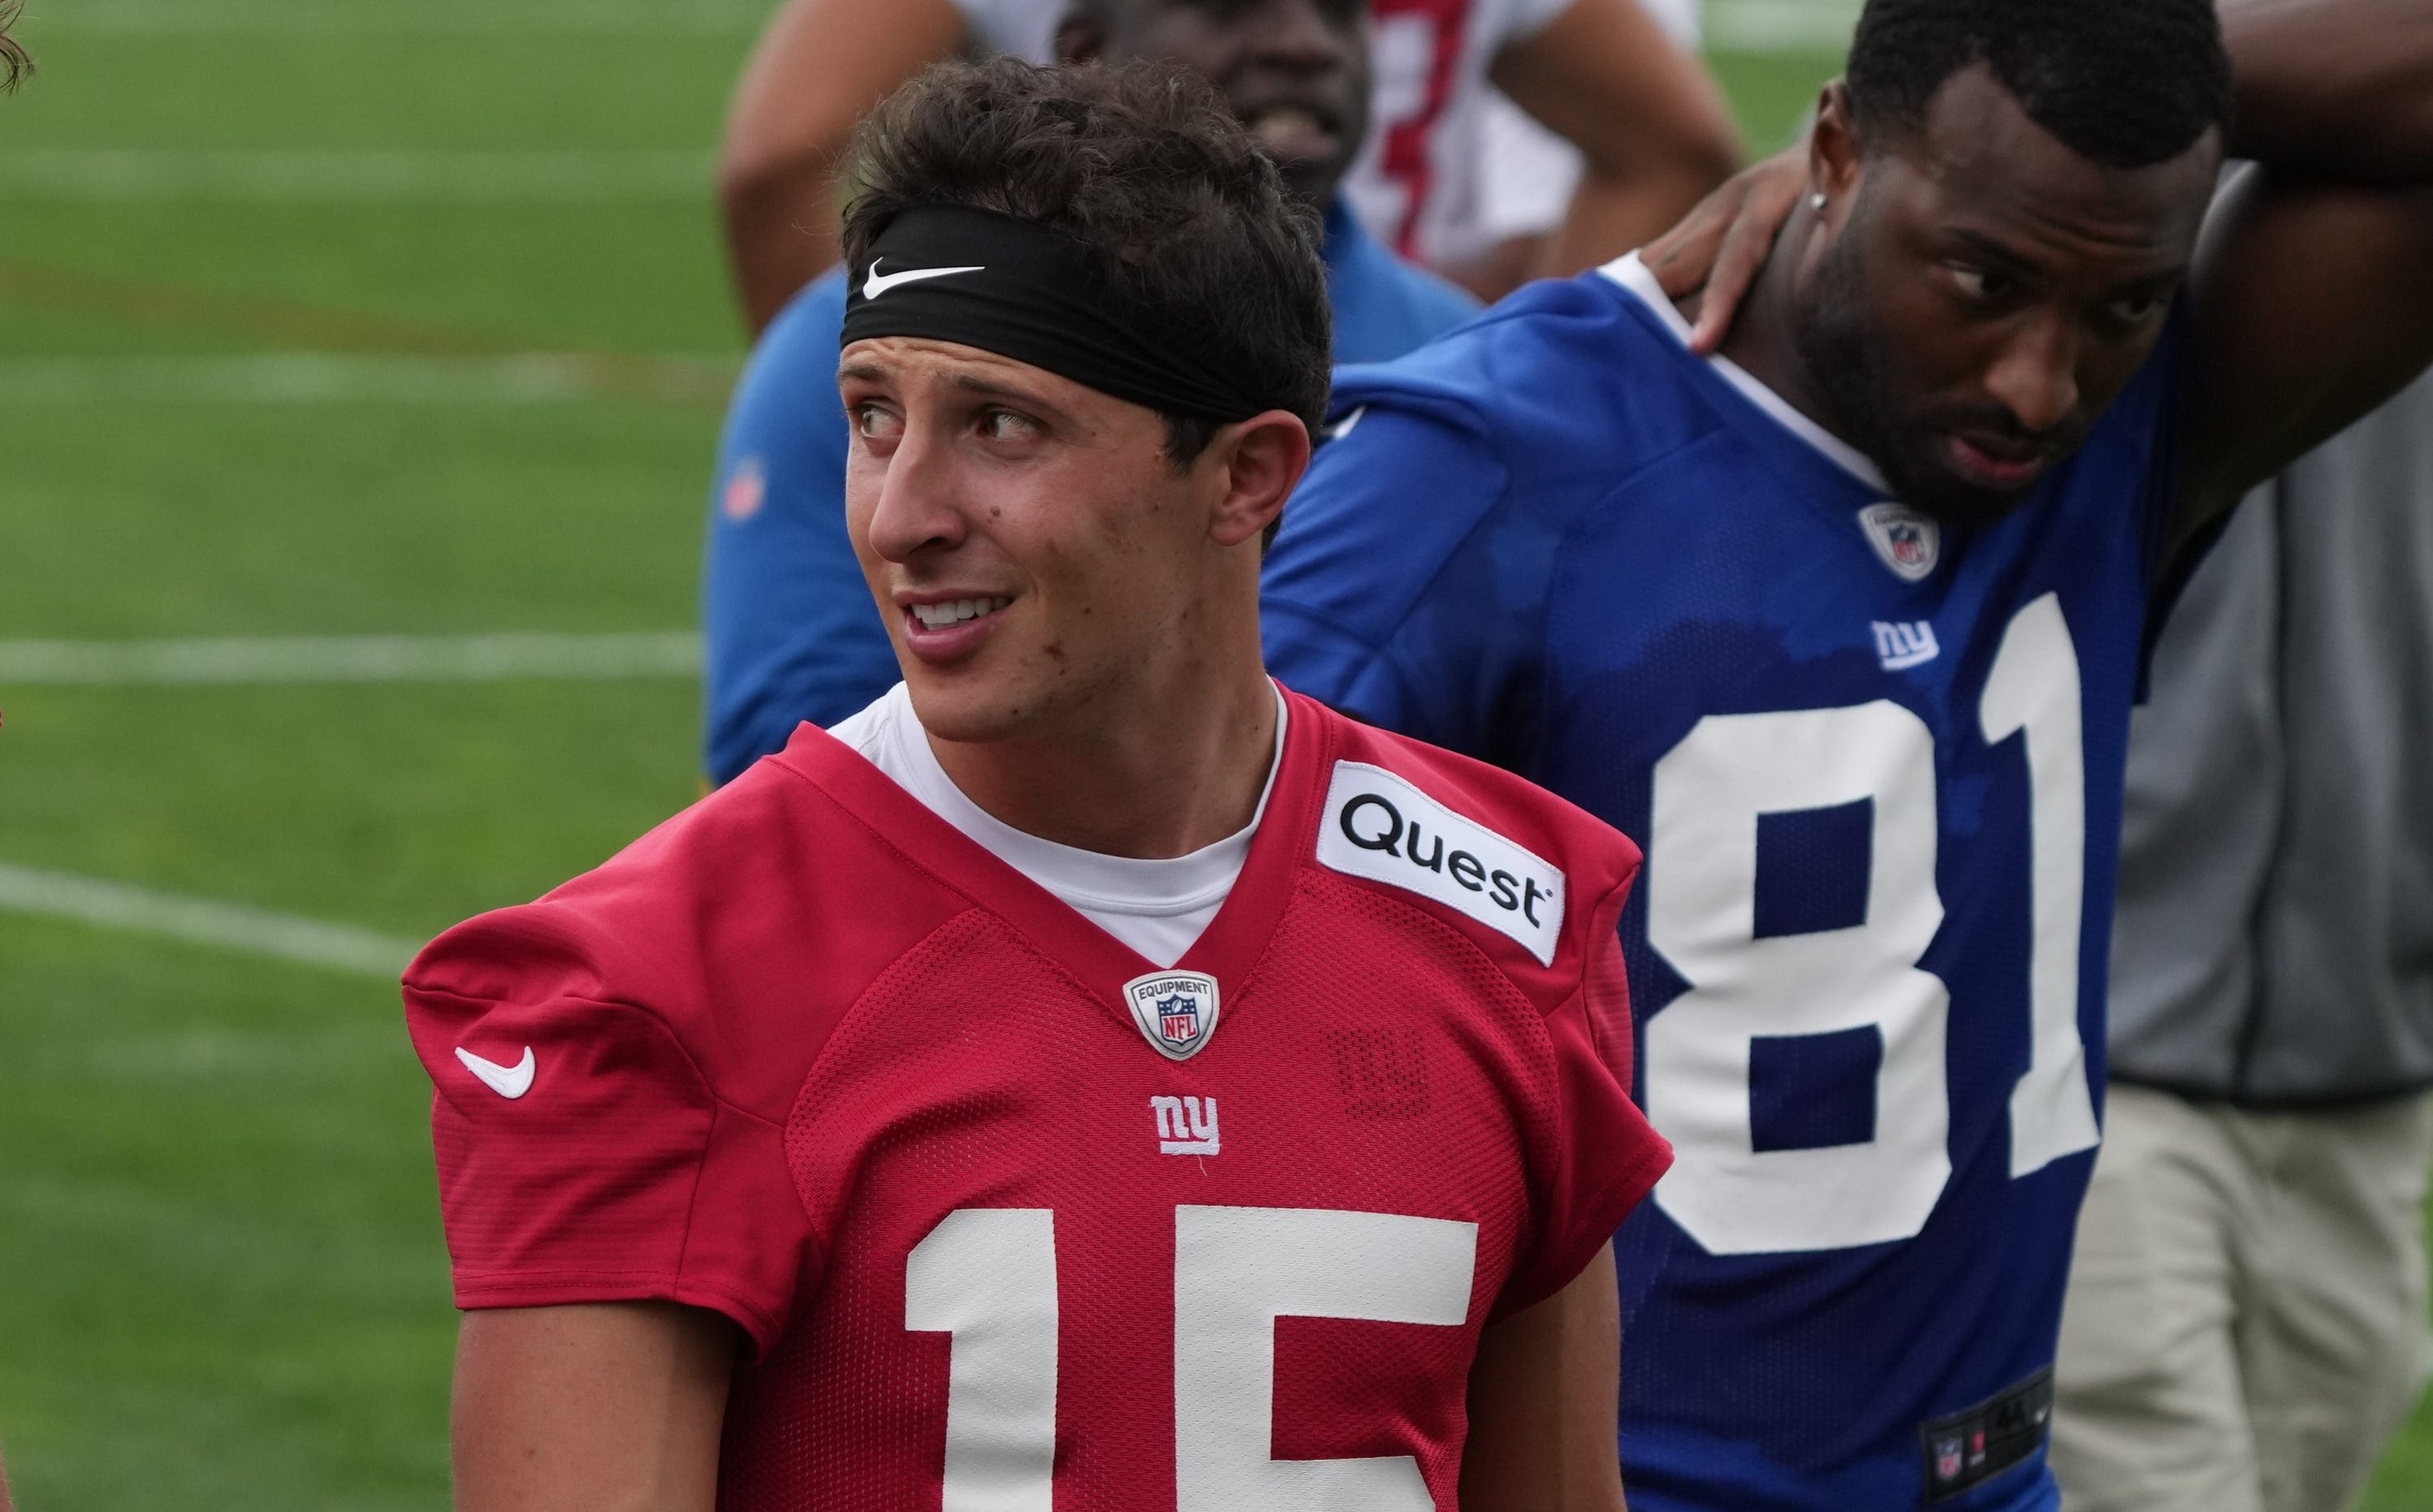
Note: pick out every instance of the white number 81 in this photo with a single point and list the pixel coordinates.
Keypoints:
(1709, 790)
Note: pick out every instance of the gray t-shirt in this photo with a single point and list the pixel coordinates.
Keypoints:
(2274, 938)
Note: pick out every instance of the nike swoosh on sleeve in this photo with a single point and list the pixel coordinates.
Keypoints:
(507, 1082)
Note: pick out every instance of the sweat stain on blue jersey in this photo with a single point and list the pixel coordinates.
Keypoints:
(1876, 763)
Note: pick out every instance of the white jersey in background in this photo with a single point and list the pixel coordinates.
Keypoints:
(1530, 174)
(1430, 180)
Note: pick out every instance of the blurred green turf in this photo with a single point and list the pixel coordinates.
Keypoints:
(221, 1278)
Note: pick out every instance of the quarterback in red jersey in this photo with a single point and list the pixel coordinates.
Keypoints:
(1092, 1079)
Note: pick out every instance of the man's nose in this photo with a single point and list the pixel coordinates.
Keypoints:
(916, 510)
(2035, 374)
(1295, 33)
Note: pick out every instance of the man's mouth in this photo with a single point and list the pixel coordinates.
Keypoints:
(1293, 133)
(1989, 461)
(953, 612)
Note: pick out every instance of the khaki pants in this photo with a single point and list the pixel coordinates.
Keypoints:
(2246, 1321)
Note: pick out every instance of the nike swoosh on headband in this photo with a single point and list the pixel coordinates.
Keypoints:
(875, 285)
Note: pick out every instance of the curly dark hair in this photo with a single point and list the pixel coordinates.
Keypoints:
(14, 63)
(2125, 83)
(1143, 167)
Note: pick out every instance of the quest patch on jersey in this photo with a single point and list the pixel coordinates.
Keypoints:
(1380, 827)
(1176, 1011)
(1909, 542)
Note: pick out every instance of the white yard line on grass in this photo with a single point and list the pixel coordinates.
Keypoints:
(353, 378)
(112, 175)
(1744, 26)
(1781, 26)
(203, 921)
(347, 659)
(307, 18)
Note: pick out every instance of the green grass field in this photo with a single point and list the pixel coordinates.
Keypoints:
(274, 273)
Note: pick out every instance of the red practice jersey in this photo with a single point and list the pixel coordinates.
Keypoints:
(1013, 1218)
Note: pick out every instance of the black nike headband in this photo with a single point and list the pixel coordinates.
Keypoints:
(1014, 288)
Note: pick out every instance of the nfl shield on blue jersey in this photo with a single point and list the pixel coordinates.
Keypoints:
(1874, 760)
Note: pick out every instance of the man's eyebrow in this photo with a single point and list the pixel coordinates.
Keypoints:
(862, 372)
(974, 383)
(1993, 252)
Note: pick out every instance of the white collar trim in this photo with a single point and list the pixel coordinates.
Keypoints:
(1632, 274)
(890, 735)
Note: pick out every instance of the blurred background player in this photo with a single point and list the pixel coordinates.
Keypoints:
(996, 1075)
(1650, 126)
(2245, 1326)
(1526, 180)
(1845, 624)
(791, 633)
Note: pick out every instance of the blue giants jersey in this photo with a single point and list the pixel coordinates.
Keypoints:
(1875, 761)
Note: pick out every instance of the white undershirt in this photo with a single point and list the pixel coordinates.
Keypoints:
(1156, 907)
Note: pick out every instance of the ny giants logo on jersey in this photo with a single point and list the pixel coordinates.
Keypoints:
(1176, 1011)
(1380, 827)
(1900, 645)
(1185, 1126)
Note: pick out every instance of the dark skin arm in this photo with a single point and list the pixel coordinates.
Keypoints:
(1648, 118)
(2312, 293)
(818, 67)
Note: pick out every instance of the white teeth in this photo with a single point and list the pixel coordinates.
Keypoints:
(1284, 126)
(955, 611)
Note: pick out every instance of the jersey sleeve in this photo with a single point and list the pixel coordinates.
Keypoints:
(583, 1154)
(1387, 596)
(790, 632)
(1019, 28)
(1607, 1157)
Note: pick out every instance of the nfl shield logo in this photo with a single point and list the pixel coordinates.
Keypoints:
(1947, 1459)
(1176, 1011)
(1907, 541)
(746, 491)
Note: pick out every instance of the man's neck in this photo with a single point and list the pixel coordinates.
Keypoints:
(1762, 340)
(1167, 775)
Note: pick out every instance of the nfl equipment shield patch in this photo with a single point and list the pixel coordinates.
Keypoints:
(1909, 542)
(1176, 1011)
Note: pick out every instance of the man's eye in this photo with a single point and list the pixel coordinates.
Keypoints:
(875, 423)
(1983, 285)
(2136, 310)
(1004, 425)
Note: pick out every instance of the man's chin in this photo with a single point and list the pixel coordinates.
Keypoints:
(955, 704)
(1955, 501)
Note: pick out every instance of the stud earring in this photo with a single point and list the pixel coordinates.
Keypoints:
(1816, 203)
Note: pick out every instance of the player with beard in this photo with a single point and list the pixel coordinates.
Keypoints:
(1844, 624)
(1091, 1076)
(789, 629)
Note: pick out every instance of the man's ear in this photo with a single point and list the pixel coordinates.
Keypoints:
(1259, 461)
(1834, 146)
(1079, 37)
